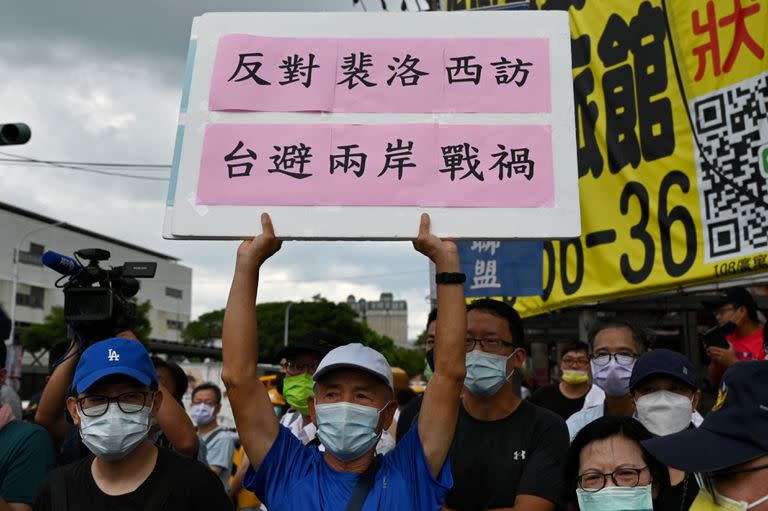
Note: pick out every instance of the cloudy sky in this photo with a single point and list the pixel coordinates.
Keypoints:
(100, 81)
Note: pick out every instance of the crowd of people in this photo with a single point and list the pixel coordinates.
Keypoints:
(620, 430)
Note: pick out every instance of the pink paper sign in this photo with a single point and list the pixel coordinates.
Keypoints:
(425, 165)
(273, 74)
(381, 75)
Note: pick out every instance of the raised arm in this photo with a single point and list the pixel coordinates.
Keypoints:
(177, 426)
(440, 408)
(254, 416)
(51, 409)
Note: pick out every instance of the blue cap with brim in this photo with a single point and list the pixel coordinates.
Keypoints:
(661, 362)
(734, 432)
(114, 356)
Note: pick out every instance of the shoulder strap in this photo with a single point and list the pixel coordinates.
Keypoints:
(59, 490)
(363, 486)
(212, 436)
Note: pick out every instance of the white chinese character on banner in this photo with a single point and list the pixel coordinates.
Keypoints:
(485, 246)
(485, 275)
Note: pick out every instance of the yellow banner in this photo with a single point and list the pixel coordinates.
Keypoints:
(465, 5)
(658, 214)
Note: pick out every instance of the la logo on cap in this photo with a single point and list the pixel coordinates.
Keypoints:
(113, 356)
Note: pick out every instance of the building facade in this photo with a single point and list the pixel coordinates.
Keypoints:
(385, 316)
(169, 292)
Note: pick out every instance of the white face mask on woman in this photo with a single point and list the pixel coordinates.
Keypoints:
(664, 412)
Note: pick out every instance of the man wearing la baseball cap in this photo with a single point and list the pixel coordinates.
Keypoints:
(113, 398)
(729, 451)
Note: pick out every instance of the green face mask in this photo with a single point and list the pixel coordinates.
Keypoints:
(296, 390)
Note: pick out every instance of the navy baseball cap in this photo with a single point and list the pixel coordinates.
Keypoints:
(734, 432)
(114, 356)
(663, 362)
(736, 295)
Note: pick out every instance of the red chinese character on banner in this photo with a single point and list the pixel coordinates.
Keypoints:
(741, 37)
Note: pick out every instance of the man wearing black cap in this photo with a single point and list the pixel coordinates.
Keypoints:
(663, 386)
(736, 313)
(729, 451)
(302, 356)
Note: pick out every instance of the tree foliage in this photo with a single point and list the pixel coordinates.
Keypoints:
(303, 316)
(53, 330)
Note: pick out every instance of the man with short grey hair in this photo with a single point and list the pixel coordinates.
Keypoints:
(353, 403)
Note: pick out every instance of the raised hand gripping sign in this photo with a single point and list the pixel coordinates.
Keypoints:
(350, 125)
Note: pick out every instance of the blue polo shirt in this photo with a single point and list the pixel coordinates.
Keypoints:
(296, 477)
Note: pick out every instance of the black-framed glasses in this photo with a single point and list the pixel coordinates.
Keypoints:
(128, 402)
(582, 362)
(593, 481)
(488, 345)
(623, 359)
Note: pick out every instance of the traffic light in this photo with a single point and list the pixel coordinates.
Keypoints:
(14, 134)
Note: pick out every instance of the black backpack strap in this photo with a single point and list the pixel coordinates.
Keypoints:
(363, 486)
(58, 490)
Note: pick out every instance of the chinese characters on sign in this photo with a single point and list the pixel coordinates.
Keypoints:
(254, 73)
(392, 165)
(501, 268)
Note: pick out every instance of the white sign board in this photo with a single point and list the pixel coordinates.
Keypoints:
(350, 125)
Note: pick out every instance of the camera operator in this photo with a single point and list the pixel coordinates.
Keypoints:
(172, 419)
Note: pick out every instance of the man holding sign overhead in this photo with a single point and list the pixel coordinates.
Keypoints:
(353, 404)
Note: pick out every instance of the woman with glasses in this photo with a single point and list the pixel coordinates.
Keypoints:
(609, 470)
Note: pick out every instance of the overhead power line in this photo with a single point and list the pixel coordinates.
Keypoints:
(23, 160)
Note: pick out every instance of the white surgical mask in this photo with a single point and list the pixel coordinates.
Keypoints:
(486, 372)
(705, 501)
(347, 430)
(664, 412)
(202, 414)
(116, 433)
(616, 498)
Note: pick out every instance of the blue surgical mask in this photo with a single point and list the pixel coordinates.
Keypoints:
(616, 498)
(116, 433)
(486, 372)
(347, 430)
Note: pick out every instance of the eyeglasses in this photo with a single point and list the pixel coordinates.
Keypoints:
(128, 402)
(623, 359)
(488, 345)
(296, 368)
(595, 481)
(576, 361)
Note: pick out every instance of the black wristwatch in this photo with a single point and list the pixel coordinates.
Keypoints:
(450, 278)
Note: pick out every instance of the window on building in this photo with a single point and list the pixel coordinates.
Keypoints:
(172, 324)
(33, 299)
(33, 255)
(173, 292)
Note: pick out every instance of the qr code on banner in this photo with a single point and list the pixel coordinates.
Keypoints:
(732, 125)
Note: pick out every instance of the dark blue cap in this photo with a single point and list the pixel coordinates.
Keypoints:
(114, 356)
(663, 362)
(733, 433)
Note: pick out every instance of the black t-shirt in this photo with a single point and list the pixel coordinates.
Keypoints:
(176, 483)
(551, 398)
(494, 461)
(408, 416)
(679, 497)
